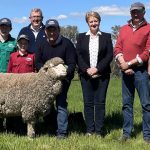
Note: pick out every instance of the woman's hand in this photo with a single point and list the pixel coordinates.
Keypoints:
(92, 71)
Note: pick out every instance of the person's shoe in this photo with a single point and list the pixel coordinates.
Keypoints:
(147, 141)
(124, 138)
(99, 135)
(61, 136)
(89, 134)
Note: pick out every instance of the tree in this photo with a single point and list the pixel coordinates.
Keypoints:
(115, 31)
(114, 35)
(70, 32)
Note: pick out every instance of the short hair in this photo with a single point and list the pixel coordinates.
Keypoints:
(36, 10)
(92, 14)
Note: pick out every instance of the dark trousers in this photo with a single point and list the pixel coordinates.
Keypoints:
(94, 95)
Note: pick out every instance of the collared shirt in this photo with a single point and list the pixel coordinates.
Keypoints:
(34, 42)
(135, 26)
(134, 44)
(35, 32)
(19, 63)
(93, 48)
(6, 48)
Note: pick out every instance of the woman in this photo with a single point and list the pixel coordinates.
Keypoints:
(94, 54)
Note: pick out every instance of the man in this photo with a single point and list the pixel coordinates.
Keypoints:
(58, 46)
(35, 30)
(132, 53)
(7, 43)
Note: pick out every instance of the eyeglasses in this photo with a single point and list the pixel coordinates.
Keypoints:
(34, 17)
(137, 11)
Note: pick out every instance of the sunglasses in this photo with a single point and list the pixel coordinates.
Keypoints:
(137, 11)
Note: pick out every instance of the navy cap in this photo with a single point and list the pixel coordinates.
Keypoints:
(22, 36)
(5, 21)
(51, 23)
(137, 6)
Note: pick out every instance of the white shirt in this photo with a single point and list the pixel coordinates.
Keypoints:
(35, 32)
(93, 48)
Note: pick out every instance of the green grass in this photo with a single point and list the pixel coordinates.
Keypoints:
(77, 140)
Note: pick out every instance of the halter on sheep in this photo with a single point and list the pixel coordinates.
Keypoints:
(30, 95)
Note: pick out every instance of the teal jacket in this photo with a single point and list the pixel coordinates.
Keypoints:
(6, 49)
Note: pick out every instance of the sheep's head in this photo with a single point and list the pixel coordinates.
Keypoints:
(55, 68)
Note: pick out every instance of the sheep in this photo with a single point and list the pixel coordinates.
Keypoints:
(31, 95)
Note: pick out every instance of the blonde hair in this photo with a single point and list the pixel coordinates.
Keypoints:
(92, 14)
(37, 10)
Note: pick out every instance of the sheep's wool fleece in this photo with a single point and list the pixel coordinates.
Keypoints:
(29, 95)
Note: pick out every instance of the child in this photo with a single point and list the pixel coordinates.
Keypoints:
(21, 61)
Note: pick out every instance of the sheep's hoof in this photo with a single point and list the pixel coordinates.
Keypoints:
(31, 136)
(30, 130)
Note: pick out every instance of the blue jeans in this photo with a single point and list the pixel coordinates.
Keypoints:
(140, 82)
(94, 95)
(62, 113)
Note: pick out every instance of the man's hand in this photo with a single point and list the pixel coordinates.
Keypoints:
(129, 72)
(121, 63)
(124, 66)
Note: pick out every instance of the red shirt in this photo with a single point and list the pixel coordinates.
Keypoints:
(130, 43)
(21, 64)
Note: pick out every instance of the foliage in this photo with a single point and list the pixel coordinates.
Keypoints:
(70, 32)
(77, 140)
(114, 35)
(114, 69)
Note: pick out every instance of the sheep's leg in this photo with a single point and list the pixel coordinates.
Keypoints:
(31, 129)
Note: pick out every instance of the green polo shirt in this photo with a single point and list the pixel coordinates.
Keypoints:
(6, 49)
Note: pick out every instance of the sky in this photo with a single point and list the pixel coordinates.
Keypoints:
(70, 12)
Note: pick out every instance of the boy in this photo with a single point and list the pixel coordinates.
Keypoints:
(7, 43)
(21, 61)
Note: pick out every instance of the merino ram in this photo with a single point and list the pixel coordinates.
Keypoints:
(30, 95)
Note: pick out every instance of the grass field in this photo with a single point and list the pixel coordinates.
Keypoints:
(77, 140)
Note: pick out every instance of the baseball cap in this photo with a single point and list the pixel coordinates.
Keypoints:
(137, 6)
(51, 23)
(22, 36)
(5, 21)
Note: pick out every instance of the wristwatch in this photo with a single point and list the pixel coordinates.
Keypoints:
(129, 63)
